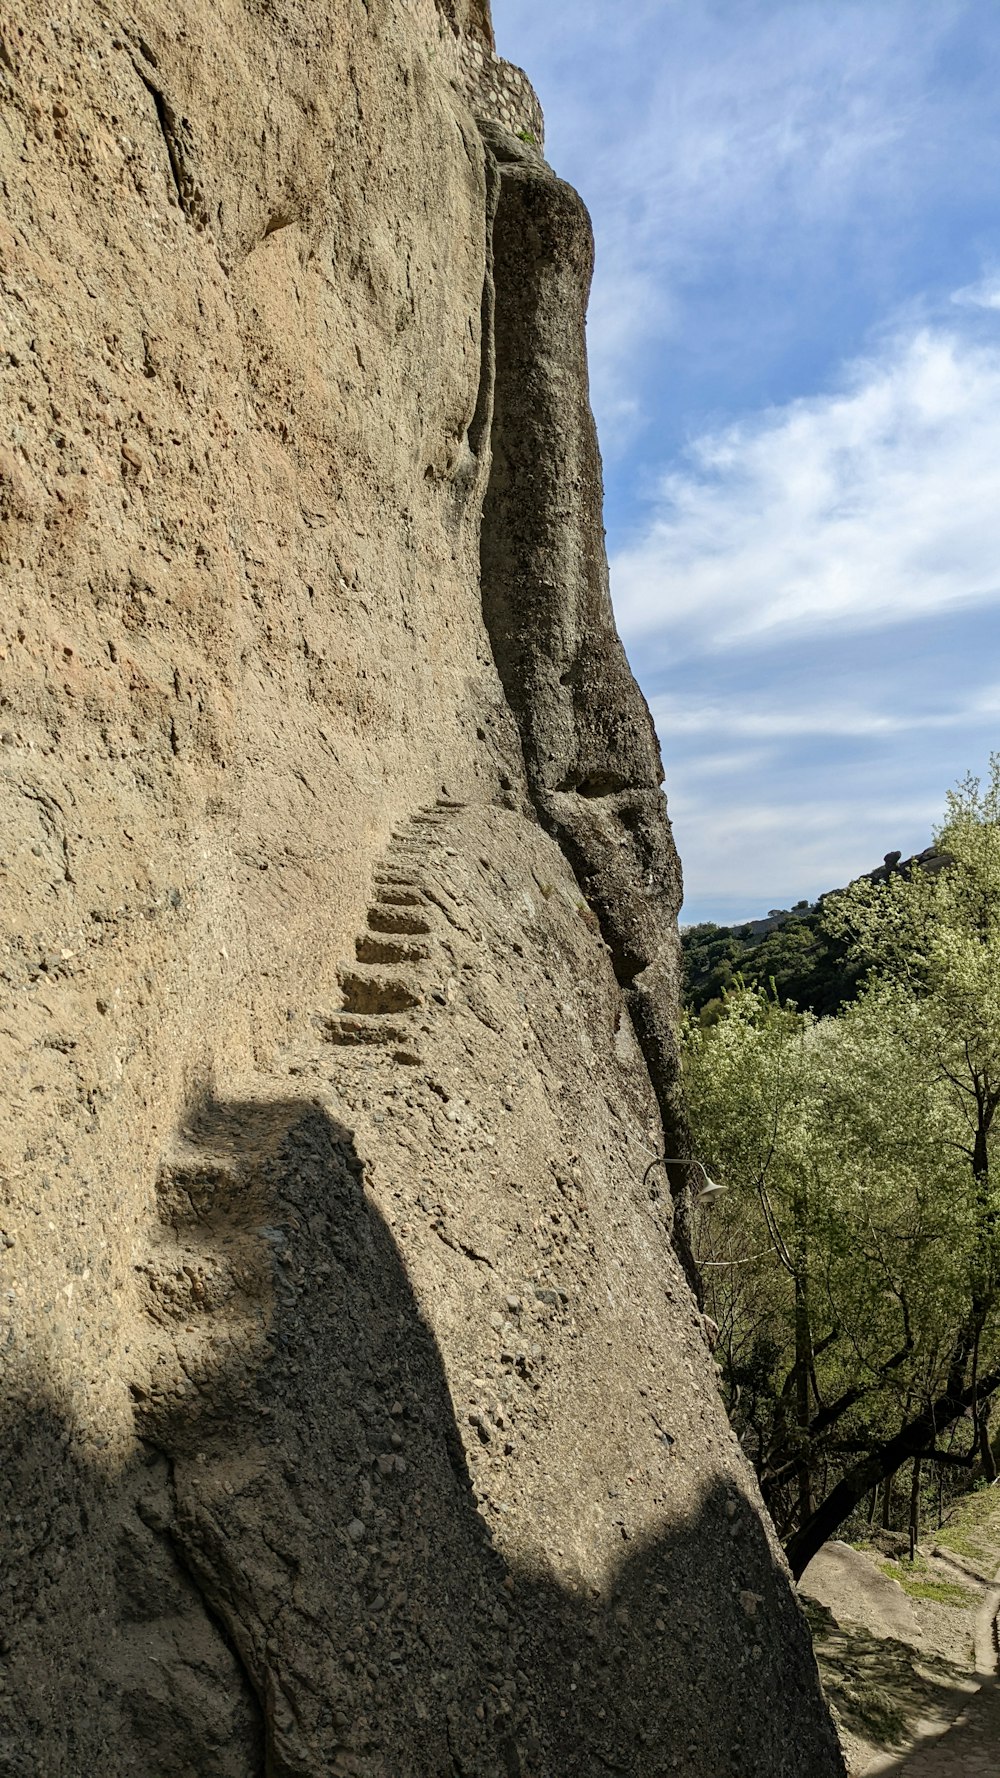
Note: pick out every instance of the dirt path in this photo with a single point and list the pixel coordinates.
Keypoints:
(969, 1749)
(908, 1655)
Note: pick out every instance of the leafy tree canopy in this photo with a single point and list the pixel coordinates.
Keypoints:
(853, 1266)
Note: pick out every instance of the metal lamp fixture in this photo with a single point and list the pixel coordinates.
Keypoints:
(711, 1188)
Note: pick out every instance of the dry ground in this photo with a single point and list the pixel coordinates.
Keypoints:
(908, 1654)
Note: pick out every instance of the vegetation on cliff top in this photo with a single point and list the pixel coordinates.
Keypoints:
(803, 961)
(797, 953)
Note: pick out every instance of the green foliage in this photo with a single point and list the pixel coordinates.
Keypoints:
(973, 1526)
(803, 963)
(529, 137)
(853, 1266)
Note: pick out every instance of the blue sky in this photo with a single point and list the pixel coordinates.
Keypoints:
(795, 360)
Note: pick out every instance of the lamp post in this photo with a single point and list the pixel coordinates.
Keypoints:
(711, 1188)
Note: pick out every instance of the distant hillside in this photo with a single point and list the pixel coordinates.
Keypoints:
(787, 948)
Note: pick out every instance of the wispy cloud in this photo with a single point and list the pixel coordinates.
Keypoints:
(865, 506)
(680, 717)
(770, 145)
(780, 850)
(985, 294)
(796, 371)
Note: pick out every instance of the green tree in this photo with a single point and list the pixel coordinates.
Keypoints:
(803, 962)
(854, 1266)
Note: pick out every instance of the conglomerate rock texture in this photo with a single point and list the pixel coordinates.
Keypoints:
(357, 1415)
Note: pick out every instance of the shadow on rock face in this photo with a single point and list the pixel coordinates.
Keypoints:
(293, 1577)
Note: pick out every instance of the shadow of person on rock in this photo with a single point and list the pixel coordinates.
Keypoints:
(293, 1579)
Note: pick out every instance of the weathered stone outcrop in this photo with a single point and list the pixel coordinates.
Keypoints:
(590, 749)
(357, 1417)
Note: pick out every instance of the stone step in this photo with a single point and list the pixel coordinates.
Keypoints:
(182, 1277)
(397, 877)
(367, 1033)
(370, 949)
(357, 1030)
(193, 1186)
(370, 989)
(397, 919)
(401, 894)
(405, 855)
(185, 1374)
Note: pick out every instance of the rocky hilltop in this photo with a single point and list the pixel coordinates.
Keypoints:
(358, 1412)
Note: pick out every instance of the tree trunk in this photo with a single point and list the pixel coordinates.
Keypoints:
(913, 1440)
(983, 1292)
(915, 1508)
(985, 1447)
(803, 1355)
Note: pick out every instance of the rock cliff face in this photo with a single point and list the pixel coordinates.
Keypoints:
(357, 1415)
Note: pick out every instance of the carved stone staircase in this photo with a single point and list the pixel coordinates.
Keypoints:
(385, 988)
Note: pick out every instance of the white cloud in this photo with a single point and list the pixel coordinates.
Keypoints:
(745, 857)
(983, 295)
(726, 764)
(718, 143)
(680, 718)
(870, 505)
(739, 151)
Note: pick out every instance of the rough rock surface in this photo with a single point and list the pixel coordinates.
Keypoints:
(357, 1416)
(590, 750)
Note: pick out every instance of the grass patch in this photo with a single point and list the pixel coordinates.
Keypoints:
(872, 1711)
(973, 1526)
(918, 1584)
